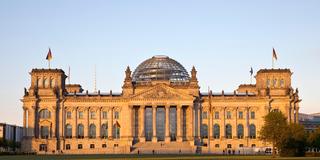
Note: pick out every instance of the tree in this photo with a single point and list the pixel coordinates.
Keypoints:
(274, 125)
(293, 141)
(314, 140)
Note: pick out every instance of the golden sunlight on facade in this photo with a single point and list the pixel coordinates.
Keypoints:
(160, 109)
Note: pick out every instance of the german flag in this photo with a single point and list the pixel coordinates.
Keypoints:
(274, 54)
(49, 55)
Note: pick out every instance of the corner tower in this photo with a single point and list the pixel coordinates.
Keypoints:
(274, 82)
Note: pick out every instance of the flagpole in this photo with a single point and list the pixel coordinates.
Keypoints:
(272, 62)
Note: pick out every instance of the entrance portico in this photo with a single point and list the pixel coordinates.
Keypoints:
(160, 122)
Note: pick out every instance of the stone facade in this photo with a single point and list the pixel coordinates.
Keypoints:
(61, 118)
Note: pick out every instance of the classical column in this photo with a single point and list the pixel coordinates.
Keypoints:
(246, 126)
(34, 125)
(223, 125)
(234, 123)
(189, 122)
(192, 123)
(86, 127)
(199, 121)
(110, 123)
(24, 122)
(75, 122)
(154, 127)
(55, 122)
(99, 126)
(167, 130)
(179, 137)
(131, 122)
(142, 137)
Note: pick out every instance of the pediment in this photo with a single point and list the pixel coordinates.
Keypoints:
(161, 91)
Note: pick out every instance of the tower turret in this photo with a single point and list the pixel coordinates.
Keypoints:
(274, 82)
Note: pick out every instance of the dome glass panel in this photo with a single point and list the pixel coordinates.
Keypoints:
(160, 68)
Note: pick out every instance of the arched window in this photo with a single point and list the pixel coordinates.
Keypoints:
(44, 132)
(282, 83)
(68, 131)
(104, 130)
(80, 131)
(204, 131)
(92, 131)
(274, 84)
(268, 83)
(46, 83)
(228, 131)
(216, 131)
(39, 82)
(116, 115)
(52, 83)
(252, 131)
(240, 131)
(44, 114)
(116, 131)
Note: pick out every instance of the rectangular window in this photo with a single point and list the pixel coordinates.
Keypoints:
(204, 115)
(217, 145)
(104, 145)
(216, 115)
(79, 146)
(91, 146)
(228, 115)
(92, 115)
(68, 147)
(68, 115)
(116, 145)
(240, 145)
(253, 115)
(105, 115)
(80, 115)
(240, 115)
(116, 115)
(268, 83)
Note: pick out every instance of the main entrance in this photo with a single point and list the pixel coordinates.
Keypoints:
(160, 123)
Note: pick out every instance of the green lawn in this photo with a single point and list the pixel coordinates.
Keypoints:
(146, 157)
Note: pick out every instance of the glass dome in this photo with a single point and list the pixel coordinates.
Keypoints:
(160, 68)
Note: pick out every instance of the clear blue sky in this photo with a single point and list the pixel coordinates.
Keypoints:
(222, 39)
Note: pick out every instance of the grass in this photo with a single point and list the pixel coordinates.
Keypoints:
(146, 157)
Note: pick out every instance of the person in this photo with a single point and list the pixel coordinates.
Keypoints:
(152, 151)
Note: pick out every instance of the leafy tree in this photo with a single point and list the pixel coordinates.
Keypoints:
(274, 125)
(293, 141)
(314, 139)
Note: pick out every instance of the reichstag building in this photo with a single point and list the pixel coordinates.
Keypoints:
(160, 110)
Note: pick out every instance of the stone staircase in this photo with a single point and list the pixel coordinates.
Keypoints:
(163, 148)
